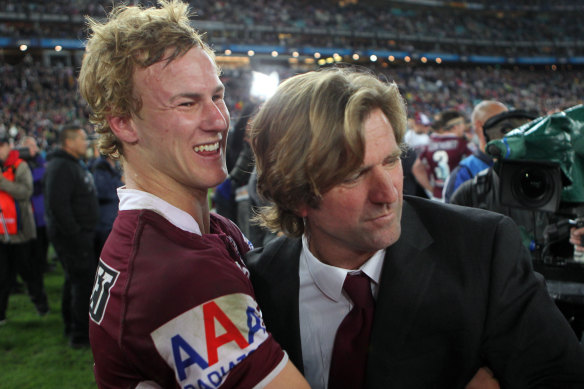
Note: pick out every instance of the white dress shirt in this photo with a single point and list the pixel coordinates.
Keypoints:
(322, 308)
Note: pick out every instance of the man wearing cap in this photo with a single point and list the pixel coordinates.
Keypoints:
(417, 135)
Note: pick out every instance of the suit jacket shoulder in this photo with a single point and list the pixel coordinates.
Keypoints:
(457, 292)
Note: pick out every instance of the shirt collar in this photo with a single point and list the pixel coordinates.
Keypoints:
(329, 279)
(132, 199)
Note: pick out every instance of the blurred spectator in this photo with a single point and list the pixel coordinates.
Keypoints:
(446, 148)
(418, 129)
(415, 138)
(107, 174)
(72, 214)
(17, 229)
(231, 197)
(37, 163)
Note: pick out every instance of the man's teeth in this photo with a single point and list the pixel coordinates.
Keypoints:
(212, 147)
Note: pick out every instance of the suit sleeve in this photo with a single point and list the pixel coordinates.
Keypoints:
(528, 343)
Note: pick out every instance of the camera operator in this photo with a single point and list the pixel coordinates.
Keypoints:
(482, 191)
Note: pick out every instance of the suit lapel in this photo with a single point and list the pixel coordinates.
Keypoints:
(404, 280)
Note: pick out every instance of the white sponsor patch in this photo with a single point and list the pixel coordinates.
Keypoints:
(203, 344)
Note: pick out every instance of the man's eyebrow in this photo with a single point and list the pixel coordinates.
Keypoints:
(196, 96)
(394, 155)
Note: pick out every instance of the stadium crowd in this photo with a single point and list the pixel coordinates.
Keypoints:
(36, 100)
(484, 30)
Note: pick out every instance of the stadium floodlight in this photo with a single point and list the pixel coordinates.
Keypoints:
(263, 86)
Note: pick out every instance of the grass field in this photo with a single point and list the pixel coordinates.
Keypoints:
(33, 350)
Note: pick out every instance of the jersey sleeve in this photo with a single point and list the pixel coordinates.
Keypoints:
(220, 343)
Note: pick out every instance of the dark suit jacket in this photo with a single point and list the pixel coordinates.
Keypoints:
(457, 292)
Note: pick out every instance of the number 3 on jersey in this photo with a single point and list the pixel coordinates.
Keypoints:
(442, 169)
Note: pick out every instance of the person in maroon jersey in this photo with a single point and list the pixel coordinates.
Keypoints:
(447, 147)
(172, 305)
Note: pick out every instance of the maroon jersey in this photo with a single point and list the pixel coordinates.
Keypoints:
(175, 309)
(441, 156)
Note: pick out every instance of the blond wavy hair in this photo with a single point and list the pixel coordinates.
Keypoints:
(309, 137)
(132, 37)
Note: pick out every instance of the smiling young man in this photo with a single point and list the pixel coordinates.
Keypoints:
(172, 304)
(368, 289)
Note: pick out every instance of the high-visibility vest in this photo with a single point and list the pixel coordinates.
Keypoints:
(8, 207)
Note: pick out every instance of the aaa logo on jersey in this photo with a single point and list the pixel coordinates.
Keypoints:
(203, 344)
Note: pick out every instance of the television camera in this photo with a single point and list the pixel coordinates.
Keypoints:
(541, 168)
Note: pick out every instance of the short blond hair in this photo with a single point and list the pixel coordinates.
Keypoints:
(132, 37)
(309, 137)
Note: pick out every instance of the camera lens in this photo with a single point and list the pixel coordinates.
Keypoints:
(532, 184)
(531, 187)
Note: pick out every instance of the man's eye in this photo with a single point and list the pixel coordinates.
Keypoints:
(353, 177)
(392, 162)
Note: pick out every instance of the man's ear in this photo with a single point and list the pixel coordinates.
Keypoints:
(302, 211)
(123, 128)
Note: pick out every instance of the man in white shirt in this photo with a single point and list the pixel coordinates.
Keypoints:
(328, 148)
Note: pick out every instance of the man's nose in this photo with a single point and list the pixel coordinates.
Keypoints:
(382, 186)
(214, 118)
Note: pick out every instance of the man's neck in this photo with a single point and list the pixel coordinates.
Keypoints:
(338, 256)
(70, 152)
(193, 202)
